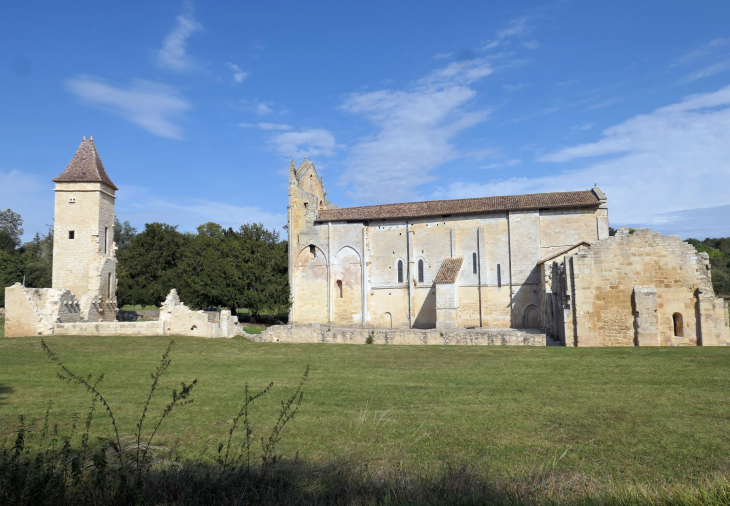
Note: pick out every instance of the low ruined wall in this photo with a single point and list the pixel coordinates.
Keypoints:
(153, 328)
(316, 333)
(134, 316)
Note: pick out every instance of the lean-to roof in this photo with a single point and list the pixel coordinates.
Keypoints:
(449, 271)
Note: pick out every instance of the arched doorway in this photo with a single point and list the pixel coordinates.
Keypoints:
(531, 320)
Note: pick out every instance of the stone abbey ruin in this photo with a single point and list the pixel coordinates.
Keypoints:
(518, 270)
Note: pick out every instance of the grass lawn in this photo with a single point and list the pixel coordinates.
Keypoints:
(646, 415)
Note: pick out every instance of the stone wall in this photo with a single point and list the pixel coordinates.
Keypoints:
(316, 333)
(133, 316)
(641, 288)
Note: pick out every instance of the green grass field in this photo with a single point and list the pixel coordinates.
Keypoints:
(651, 416)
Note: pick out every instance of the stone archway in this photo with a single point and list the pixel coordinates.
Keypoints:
(310, 271)
(531, 320)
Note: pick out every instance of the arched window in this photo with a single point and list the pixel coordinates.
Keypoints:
(474, 263)
(420, 271)
(313, 251)
(400, 271)
(339, 287)
(678, 325)
(499, 276)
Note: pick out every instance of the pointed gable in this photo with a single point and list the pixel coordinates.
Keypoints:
(85, 167)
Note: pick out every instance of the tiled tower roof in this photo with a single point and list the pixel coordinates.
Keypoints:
(85, 167)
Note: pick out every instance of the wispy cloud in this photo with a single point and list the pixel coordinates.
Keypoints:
(154, 107)
(238, 74)
(262, 109)
(516, 27)
(172, 55)
(667, 161)
(309, 143)
(441, 56)
(266, 126)
(707, 71)
(502, 165)
(415, 127)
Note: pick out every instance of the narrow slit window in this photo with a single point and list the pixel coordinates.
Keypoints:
(313, 251)
(339, 287)
(109, 285)
(678, 325)
(70, 234)
(474, 263)
(106, 239)
(420, 271)
(400, 271)
(499, 276)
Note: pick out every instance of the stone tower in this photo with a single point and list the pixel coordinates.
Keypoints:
(83, 240)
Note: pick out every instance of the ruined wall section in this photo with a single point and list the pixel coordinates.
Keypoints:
(612, 285)
(35, 311)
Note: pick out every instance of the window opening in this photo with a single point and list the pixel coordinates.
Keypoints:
(420, 271)
(474, 263)
(106, 239)
(678, 325)
(109, 285)
(339, 287)
(400, 271)
(306, 205)
(70, 234)
(499, 276)
(313, 251)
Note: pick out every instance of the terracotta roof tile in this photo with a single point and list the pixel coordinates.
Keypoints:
(563, 252)
(449, 271)
(85, 167)
(462, 206)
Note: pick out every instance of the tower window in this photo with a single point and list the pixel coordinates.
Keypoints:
(420, 271)
(499, 276)
(70, 234)
(109, 285)
(106, 239)
(72, 200)
(339, 287)
(306, 205)
(400, 271)
(313, 251)
(474, 262)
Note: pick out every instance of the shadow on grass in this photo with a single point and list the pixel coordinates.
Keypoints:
(4, 392)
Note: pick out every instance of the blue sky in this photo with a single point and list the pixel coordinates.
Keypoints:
(197, 108)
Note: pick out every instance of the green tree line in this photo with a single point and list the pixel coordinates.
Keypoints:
(719, 252)
(215, 267)
(244, 268)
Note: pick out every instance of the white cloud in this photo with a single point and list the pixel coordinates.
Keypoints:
(441, 56)
(152, 106)
(172, 55)
(508, 163)
(238, 74)
(582, 128)
(671, 160)
(142, 205)
(273, 126)
(707, 71)
(514, 28)
(415, 128)
(306, 143)
(263, 109)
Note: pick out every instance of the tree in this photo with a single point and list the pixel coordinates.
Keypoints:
(148, 266)
(123, 234)
(719, 252)
(7, 243)
(11, 223)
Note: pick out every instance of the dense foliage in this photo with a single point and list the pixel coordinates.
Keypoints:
(719, 252)
(31, 262)
(215, 267)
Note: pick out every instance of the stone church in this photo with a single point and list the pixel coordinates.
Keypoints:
(542, 261)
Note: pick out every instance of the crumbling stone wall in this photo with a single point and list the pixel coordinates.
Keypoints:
(640, 288)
